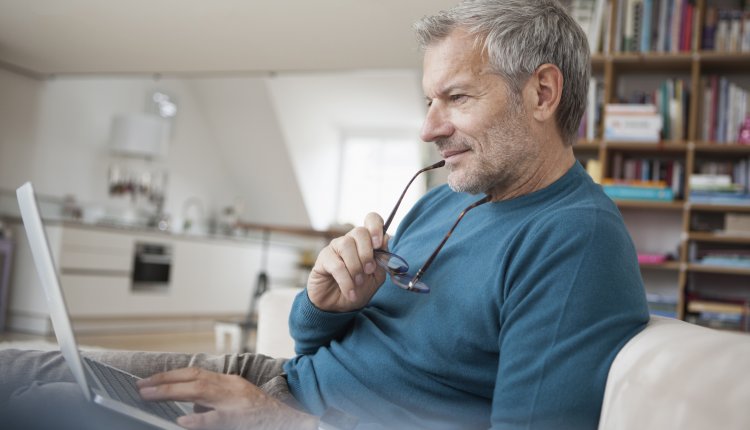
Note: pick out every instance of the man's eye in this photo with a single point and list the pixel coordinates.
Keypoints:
(458, 97)
(428, 102)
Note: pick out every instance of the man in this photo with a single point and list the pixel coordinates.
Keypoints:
(530, 299)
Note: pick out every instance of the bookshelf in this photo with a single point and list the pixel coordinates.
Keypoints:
(706, 261)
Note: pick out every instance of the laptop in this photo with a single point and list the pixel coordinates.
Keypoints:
(101, 384)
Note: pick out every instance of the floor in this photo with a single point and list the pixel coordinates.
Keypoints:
(164, 341)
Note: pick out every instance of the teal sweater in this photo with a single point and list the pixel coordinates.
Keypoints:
(531, 300)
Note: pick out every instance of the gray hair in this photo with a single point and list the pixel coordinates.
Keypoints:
(519, 36)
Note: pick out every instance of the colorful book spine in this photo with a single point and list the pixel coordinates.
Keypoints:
(627, 192)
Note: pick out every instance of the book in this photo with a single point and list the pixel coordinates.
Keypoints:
(651, 30)
(632, 23)
(662, 304)
(630, 192)
(721, 36)
(709, 181)
(596, 92)
(719, 198)
(708, 39)
(745, 42)
(652, 258)
(661, 34)
(630, 108)
(735, 26)
(632, 123)
(675, 24)
(596, 27)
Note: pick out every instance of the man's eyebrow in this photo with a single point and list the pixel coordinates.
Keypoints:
(450, 89)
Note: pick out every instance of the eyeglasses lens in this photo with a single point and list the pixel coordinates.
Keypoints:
(398, 268)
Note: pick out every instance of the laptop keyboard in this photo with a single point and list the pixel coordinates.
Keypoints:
(121, 386)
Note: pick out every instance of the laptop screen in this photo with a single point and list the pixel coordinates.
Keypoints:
(45, 268)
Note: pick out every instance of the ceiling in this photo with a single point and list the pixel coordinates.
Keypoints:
(47, 37)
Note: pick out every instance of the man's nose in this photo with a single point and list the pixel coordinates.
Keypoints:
(436, 125)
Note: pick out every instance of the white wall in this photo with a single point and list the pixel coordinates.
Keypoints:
(20, 98)
(55, 134)
(250, 142)
(314, 110)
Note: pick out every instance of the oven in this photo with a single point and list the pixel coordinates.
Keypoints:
(152, 264)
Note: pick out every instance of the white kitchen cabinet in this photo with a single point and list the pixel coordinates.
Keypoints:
(209, 278)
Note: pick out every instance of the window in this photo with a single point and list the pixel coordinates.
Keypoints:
(375, 168)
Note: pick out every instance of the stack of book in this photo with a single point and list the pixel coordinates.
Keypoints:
(736, 258)
(633, 170)
(662, 305)
(632, 123)
(727, 255)
(656, 26)
(737, 224)
(717, 189)
(727, 315)
(671, 100)
(622, 189)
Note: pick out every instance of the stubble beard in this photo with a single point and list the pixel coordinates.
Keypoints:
(505, 157)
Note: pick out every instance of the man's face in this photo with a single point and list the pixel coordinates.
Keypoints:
(480, 129)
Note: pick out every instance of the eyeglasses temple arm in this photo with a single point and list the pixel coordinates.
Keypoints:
(427, 263)
(440, 163)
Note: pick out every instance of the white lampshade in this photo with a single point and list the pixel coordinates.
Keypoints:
(139, 134)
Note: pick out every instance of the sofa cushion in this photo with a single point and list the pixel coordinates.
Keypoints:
(273, 338)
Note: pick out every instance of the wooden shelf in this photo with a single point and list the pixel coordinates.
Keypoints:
(623, 73)
(716, 208)
(651, 62)
(720, 148)
(586, 145)
(724, 60)
(671, 266)
(723, 270)
(663, 147)
(597, 64)
(718, 237)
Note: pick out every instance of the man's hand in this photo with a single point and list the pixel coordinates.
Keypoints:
(232, 402)
(345, 275)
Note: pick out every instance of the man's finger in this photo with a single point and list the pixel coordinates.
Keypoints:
(178, 375)
(207, 420)
(337, 269)
(374, 224)
(197, 391)
(363, 241)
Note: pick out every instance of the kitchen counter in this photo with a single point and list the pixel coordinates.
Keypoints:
(246, 232)
(211, 275)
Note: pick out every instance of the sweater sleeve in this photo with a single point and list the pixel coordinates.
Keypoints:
(573, 298)
(312, 328)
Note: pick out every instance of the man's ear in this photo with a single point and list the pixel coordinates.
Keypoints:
(545, 89)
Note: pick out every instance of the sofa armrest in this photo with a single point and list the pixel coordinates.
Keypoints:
(680, 376)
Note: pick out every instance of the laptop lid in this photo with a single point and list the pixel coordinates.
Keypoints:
(45, 268)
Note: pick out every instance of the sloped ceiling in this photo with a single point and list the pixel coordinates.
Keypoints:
(42, 37)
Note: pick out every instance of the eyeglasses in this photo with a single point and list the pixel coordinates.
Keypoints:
(395, 265)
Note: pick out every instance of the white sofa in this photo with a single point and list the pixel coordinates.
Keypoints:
(672, 375)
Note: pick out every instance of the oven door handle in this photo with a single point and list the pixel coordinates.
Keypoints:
(154, 258)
